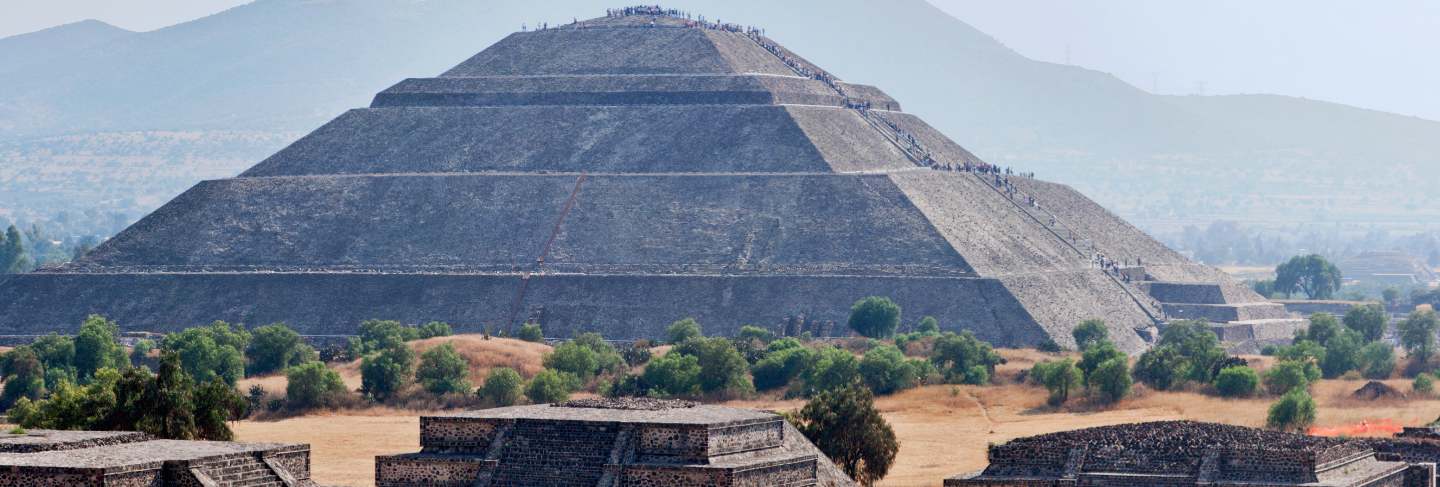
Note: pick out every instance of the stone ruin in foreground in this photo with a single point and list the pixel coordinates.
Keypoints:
(617, 175)
(1181, 453)
(45, 458)
(610, 443)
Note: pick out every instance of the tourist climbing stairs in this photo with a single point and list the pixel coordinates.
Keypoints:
(569, 454)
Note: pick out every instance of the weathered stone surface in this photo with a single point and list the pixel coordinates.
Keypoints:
(1176, 453)
(124, 459)
(611, 442)
(616, 176)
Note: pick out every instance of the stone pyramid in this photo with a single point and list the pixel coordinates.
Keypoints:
(621, 173)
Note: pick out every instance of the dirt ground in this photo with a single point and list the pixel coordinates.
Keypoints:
(943, 430)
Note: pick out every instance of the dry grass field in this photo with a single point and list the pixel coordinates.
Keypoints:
(943, 430)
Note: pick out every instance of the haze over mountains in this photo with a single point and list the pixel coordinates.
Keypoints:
(260, 74)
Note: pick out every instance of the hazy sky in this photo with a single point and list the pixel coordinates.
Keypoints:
(1372, 54)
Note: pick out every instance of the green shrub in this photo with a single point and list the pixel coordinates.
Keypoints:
(209, 352)
(1370, 320)
(845, 425)
(311, 385)
(722, 369)
(964, 359)
(1377, 360)
(1288, 375)
(1162, 368)
(1198, 345)
(502, 387)
(1293, 412)
(1236, 381)
(1111, 379)
(276, 347)
(680, 331)
(1096, 354)
(755, 333)
(531, 332)
(547, 387)
(928, 324)
(96, 347)
(1060, 378)
(435, 329)
(24, 376)
(1090, 333)
(831, 369)
(1342, 353)
(673, 374)
(1423, 385)
(388, 371)
(875, 317)
(885, 370)
(782, 366)
(443, 371)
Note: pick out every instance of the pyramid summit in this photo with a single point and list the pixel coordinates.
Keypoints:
(621, 173)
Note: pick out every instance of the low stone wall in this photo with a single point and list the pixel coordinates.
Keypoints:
(430, 470)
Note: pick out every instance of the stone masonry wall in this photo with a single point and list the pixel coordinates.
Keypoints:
(430, 470)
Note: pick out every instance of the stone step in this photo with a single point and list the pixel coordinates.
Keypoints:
(1224, 313)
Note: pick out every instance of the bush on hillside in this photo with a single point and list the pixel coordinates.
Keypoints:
(964, 359)
(1295, 411)
(673, 374)
(311, 385)
(548, 387)
(531, 332)
(680, 331)
(1060, 377)
(502, 387)
(1236, 381)
(276, 347)
(875, 317)
(442, 370)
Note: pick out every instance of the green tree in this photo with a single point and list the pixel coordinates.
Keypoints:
(1342, 354)
(1371, 320)
(1310, 274)
(531, 332)
(831, 369)
(585, 357)
(57, 355)
(1096, 354)
(1302, 350)
(1111, 379)
(548, 387)
(1237, 381)
(680, 331)
(216, 404)
(1060, 378)
(502, 387)
(875, 317)
(207, 352)
(674, 374)
(1417, 335)
(964, 359)
(928, 325)
(12, 252)
(1264, 287)
(443, 371)
(1323, 327)
(1090, 333)
(169, 401)
(755, 333)
(1162, 368)
(1288, 375)
(1293, 412)
(376, 334)
(276, 347)
(722, 369)
(780, 367)
(141, 351)
(387, 371)
(96, 347)
(1377, 360)
(435, 329)
(1391, 296)
(1423, 385)
(1199, 346)
(886, 370)
(845, 425)
(24, 376)
(312, 385)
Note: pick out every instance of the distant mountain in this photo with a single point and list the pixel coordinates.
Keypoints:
(288, 65)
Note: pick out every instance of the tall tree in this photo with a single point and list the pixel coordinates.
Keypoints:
(1310, 274)
(845, 425)
(1417, 335)
(875, 317)
(1370, 320)
(12, 251)
(96, 347)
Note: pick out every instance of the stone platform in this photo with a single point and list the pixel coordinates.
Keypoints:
(44, 458)
(1176, 453)
(630, 442)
